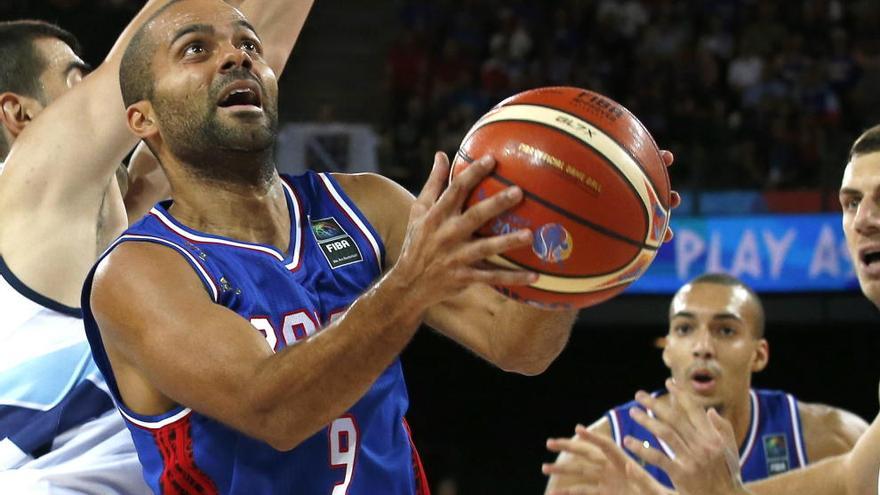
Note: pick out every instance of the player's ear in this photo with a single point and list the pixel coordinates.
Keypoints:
(141, 119)
(16, 111)
(762, 356)
(662, 344)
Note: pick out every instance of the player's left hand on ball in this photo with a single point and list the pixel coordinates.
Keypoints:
(674, 197)
(599, 467)
(706, 460)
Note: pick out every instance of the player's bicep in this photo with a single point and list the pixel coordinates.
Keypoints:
(164, 324)
(861, 463)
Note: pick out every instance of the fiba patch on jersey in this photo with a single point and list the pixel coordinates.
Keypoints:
(776, 453)
(338, 247)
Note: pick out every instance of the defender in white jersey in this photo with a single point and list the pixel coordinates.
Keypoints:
(59, 432)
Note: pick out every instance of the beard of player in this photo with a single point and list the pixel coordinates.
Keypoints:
(233, 148)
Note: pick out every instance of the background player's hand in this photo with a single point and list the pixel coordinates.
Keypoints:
(599, 467)
(440, 255)
(675, 198)
(706, 460)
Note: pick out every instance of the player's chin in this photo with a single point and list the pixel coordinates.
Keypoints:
(871, 289)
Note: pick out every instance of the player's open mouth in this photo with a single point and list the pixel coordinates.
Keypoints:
(242, 95)
(703, 381)
(869, 257)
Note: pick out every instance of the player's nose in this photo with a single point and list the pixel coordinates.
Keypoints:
(867, 219)
(235, 57)
(703, 345)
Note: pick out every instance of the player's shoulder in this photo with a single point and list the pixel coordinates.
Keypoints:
(385, 203)
(367, 188)
(829, 430)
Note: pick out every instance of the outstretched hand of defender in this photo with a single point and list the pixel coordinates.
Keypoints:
(705, 461)
(674, 197)
(440, 255)
(599, 466)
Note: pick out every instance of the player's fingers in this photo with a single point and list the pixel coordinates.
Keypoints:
(662, 430)
(683, 405)
(664, 411)
(609, 449)
(500, 276)
(583, 451)
(669, 235)
(436, 181)
(577, 490)
(722, 426)
(477, 215)
(458, 190)
(667, 157)
(642, 482)
(674, 200)
(483, 248)
(649, 454)
(584, 472)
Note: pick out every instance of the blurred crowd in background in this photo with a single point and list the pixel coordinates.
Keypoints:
(750, 94)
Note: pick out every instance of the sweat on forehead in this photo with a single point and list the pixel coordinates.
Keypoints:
(135, 74)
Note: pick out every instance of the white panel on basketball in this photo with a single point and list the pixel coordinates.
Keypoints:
(581, 285)
(587, 133)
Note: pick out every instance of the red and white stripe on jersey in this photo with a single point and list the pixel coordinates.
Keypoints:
(154, 425)
(354, 218)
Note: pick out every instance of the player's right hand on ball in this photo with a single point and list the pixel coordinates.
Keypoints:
(440, 255)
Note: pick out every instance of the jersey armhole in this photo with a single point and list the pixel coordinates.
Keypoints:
(357, 216)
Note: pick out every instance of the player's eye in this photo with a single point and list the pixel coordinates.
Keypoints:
(251, 46)
(682, 329)
(850, 203)
(194, 49)
(727, 331)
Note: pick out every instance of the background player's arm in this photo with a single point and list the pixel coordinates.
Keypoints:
(829, 431)
(511, 335)
(560, 481)
(168, 342)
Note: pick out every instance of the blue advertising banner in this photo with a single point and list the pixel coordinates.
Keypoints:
(770, 253)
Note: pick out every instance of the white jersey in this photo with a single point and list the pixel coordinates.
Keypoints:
(59, 431)
(48, 380)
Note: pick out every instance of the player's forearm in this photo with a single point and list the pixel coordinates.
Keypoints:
(823, 478)
(278, 24)
(525, 339)
(306, 386)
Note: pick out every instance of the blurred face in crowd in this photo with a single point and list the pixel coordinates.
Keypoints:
(860, 200)
(713, 345)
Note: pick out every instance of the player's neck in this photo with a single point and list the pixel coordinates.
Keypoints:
(250, 212)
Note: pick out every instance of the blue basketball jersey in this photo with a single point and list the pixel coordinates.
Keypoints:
(774, 443)
(334, 256)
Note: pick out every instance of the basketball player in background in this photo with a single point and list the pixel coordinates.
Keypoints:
(60, 206)
(222, 348)
(714, 345)
(704, 443)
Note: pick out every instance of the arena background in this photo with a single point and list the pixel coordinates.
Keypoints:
(759, 101)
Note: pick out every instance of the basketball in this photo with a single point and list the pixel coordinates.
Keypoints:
(596, 192)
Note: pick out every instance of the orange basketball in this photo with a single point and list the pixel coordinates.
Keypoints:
(596, 192)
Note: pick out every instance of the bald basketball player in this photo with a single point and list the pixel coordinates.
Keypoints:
(60, 206)
(715, 343)
(704, 443)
